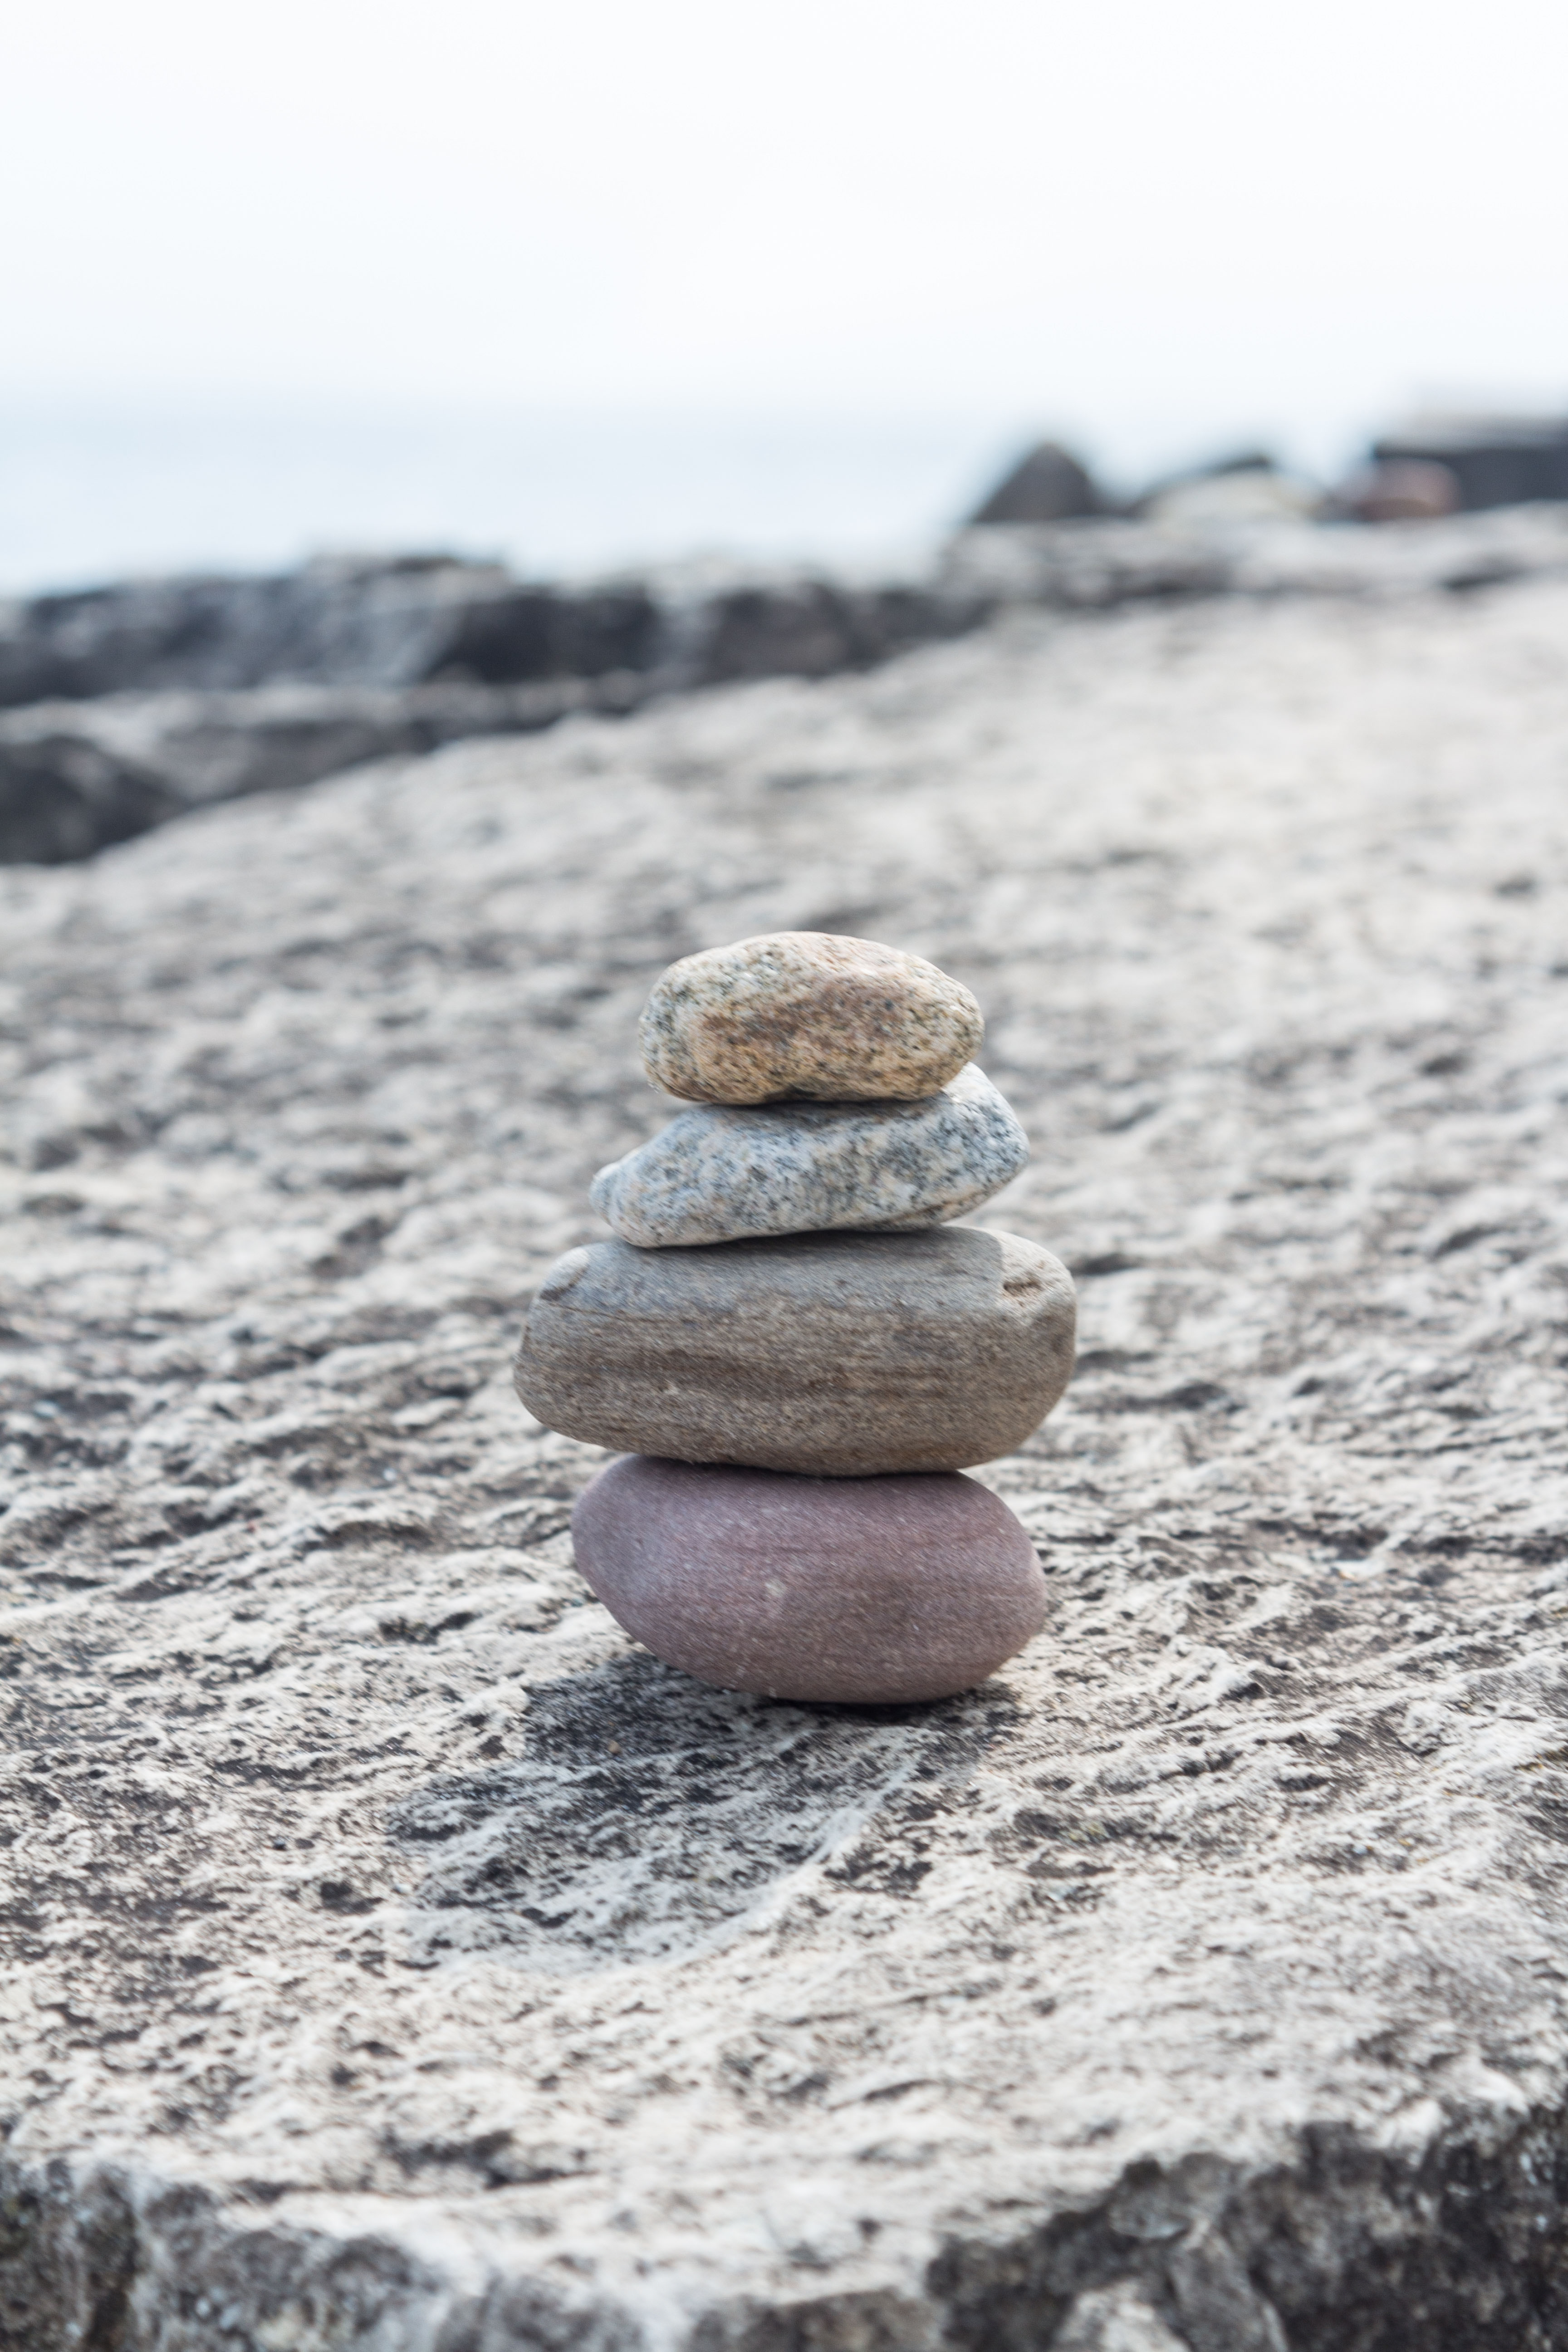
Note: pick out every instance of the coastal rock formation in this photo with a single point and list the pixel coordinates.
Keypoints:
(396, 1956)
(64, 795)
(340, 621)
(212, 687)
(1492, 461)
(77, 777)
(1047, 484)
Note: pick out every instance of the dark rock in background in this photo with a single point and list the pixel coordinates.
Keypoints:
(1047, 485)
(1399, 489)
(403, 621)
(1078, 566)
(63, 795)
(133, 702)
(421, 621)
(1495, 461)
(75, 777)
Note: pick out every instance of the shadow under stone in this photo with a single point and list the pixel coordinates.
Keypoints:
(649, 1811)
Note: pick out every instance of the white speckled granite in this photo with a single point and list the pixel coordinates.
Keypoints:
(724, 1174)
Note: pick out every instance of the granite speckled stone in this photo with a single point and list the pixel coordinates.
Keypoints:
(720, 1173)
(806, 1012)
(812, 1589)
(836, 1354)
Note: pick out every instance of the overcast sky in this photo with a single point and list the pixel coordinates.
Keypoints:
(1132, 219)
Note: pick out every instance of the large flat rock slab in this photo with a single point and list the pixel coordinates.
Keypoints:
(400, 1959)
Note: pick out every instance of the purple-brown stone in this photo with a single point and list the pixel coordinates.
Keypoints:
(906, 1587)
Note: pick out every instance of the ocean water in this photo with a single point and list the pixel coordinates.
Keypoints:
(90, 493)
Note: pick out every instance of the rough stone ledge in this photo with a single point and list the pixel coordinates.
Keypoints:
(366, 1889)
(1458, 2245)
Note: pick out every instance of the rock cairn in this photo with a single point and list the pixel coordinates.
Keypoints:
(793, 1349)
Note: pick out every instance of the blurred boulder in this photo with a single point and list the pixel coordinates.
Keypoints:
(75, 777)
(62, 796)
(1495, 461)
(1086, 566)
(802, 624)
(423, 622)
(1400, 490)
(1247, 487)
(1220, 499)
(338, 621)
(437, 639)
(1048, 485)
(461, 656)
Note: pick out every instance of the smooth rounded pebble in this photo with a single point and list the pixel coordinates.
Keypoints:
(720, 1174)
(806, 1012)
(816, 1589)
(840, 1355)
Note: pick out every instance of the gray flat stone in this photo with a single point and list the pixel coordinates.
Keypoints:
(397, 1957)
(720, 1175)
(841, 1355)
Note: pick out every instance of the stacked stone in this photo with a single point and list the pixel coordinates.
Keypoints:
(794, 1350)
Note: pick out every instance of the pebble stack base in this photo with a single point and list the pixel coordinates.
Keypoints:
(860, 1589)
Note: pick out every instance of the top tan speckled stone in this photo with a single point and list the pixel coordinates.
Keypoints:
(806, 1012)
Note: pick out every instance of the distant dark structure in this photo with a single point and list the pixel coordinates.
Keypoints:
(1496, 461)
(1397, 490)
(1047, 486)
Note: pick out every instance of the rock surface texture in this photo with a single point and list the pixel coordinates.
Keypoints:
(835, 1354)
(399, 1957)
(804, 1013)
(811, 1588)
(719, 1175)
